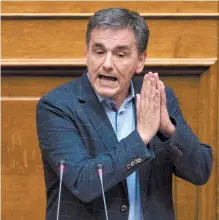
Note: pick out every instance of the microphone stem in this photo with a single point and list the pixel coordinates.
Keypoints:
(60, 188)
(104, 200)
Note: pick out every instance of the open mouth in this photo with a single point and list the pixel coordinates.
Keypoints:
(107, 78)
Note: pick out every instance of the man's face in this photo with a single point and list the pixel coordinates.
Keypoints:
(112, 60)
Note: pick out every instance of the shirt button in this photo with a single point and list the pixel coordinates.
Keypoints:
(123, 208)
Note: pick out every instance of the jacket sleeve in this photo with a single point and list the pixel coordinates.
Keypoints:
(191, 159)
(59, 140)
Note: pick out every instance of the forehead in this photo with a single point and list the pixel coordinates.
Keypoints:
(113, 37)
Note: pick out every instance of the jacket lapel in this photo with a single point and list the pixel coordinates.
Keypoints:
(96, 113)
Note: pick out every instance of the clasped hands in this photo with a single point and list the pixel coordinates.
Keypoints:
(152, 114)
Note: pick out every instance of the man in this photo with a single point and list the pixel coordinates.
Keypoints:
(133, 128)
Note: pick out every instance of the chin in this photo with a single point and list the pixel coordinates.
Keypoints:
(106, 92)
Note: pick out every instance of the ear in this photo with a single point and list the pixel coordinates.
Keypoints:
(141, 61)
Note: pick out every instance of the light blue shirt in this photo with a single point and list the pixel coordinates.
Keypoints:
(123, 123)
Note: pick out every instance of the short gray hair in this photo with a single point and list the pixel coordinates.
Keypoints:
(115, 18)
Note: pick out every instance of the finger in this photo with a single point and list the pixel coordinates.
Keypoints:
(152, 89)
(145, 77)
(159, 88)
(157, 100)
(144, 84)
(163, 94)
(156, 76)
(158, 84)
(138, 99)
(150, 73)
(146, 87)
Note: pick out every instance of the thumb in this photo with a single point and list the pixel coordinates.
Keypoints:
(138, 99)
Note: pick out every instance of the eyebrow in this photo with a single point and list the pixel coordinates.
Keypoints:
(96, 44)
(124, 47)
(121, 47)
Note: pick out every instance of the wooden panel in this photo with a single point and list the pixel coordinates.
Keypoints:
(23, 197)
(208, 122)
(16, 83)
(92, 6)
(23, 191)
(23, 64)
(19, 145)
(186, 89)
(217, 134)
(46, 38)
(22, 149)
(30, 87)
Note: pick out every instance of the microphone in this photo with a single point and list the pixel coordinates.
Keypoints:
(61, 169)
(100, 172)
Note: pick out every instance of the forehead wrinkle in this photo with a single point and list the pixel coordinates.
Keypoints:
(119, 39)
(125, 47)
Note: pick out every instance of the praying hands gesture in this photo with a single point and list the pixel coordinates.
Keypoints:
(152, 114)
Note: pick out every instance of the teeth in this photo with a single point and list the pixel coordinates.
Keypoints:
(111, 78)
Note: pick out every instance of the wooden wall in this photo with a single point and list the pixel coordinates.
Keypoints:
(43, 47)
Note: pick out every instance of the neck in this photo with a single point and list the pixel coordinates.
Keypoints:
(120, 99)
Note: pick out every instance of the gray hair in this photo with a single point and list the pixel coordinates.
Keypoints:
(115, 18)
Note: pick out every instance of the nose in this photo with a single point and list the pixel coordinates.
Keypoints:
(108, 62)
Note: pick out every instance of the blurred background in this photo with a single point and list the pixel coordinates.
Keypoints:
(43, 46)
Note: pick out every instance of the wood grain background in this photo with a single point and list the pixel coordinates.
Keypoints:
(43, 47)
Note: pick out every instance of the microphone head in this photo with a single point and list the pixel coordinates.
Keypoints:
(99, 166)
(61, 163)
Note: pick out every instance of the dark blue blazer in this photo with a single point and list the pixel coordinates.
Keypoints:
(73, 126)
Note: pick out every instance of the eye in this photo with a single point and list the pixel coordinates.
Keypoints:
(121, 55)
(99, 52)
